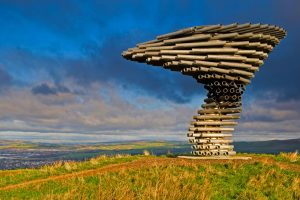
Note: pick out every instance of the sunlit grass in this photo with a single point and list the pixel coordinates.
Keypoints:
(11, 177)
(291, 157)
(263, 177)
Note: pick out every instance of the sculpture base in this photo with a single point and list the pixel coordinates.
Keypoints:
(216, 157)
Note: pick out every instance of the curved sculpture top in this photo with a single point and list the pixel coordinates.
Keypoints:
(215, 49)
(224, 58)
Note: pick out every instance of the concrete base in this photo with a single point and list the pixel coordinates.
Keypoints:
(215, 157)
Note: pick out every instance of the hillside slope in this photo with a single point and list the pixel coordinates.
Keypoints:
(150, 177)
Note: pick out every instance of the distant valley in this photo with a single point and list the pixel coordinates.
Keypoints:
(20, 154)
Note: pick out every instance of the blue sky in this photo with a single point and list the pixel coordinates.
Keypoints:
(62, 77)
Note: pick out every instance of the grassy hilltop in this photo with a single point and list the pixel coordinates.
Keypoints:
(153, 177)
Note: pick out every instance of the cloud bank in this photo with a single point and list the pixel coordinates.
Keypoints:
(61, 70)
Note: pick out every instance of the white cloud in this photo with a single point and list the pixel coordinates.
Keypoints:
(68, 112)
(93, 115)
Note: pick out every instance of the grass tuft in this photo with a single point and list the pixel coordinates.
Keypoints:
(292, 157)
(146, 153)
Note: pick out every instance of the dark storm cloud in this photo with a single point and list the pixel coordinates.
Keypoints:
(100, 31)
(102, 59)
(281, 71)
(45, 89)
(105, 64)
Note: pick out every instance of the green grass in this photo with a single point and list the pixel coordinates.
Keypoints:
(17, 145)
(24, 145)
(150, 177)
(8, 177)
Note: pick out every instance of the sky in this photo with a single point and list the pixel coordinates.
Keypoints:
(63, 79)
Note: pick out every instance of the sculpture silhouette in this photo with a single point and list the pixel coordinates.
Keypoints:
(222, 57)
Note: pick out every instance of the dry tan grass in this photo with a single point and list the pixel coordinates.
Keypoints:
(146, 153)
(292, 157)
(69, 166)
(121, 155)
(158, 182)
(52, 168)
(11, 172)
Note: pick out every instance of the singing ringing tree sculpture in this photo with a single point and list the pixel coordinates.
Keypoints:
(222, 57)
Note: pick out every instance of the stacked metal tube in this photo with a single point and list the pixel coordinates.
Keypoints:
(222, 57)
(211, 130)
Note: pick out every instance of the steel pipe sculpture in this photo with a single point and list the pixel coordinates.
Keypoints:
(222, 57)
